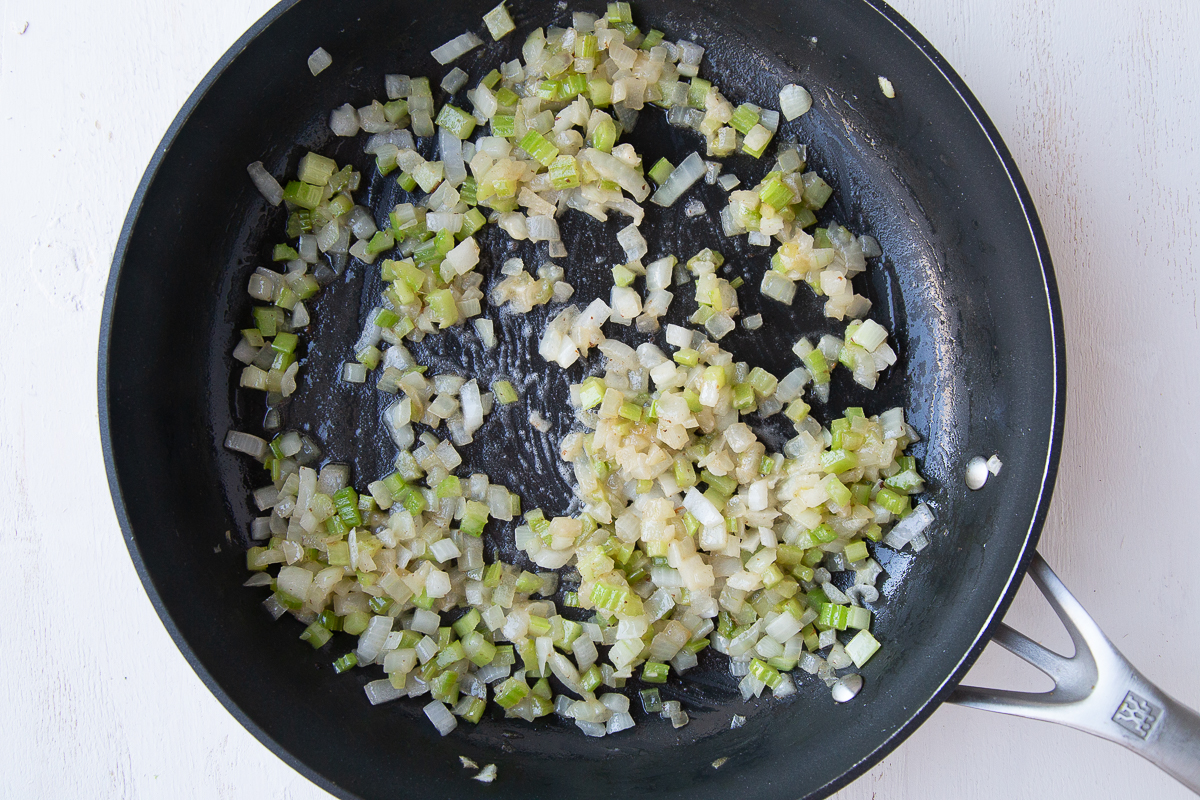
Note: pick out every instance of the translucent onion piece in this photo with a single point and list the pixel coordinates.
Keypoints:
(319, 61)
(266, 184)
(456, 47)
(679, 181)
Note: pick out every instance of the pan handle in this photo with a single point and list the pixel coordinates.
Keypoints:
(1096, 690)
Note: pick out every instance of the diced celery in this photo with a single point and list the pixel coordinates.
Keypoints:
(315, 169)
(861, 648)
(504, 392)
(655, 672)
(457, 122)
(538, 148)
(302, 194)
(661, 171)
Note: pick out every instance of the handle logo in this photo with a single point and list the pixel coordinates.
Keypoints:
(1137, 715)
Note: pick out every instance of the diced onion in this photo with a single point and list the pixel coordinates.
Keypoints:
(441, 717)
(343, 121)
(266, 184)
(794, 101)
(904, 530)
(318, 61)
(690, 170)
(456, 47)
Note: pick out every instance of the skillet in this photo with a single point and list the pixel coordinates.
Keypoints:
(965, 286)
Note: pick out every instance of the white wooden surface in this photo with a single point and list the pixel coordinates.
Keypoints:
(1095, 98)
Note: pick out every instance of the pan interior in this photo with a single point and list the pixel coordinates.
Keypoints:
(964, 286)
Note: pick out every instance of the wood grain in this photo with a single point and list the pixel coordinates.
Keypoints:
(1096, 101)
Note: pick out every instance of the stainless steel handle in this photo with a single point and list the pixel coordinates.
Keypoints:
(1096, 690)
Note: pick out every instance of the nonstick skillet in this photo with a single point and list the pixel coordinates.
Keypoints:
(965, 285)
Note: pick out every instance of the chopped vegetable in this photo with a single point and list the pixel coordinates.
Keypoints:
(689, 534)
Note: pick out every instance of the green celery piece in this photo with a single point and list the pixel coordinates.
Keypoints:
(744, 118)
(661, 171)
(765, 673)
(697, 92)
(743, 398)
(444, 309)
(564, 172)
(503, 125)
(285, 343)
(897, 504)
(302, 194)
(838, 461)
(315, 169)
(457, 122)
(504, 392)
(856, 551)
(605, 135)
(283, 252)
(653, 38)
(538, 148)
(585, 46)
(655, 672)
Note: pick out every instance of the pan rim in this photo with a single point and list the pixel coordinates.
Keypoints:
(106, 324)
(918, 717)
(1058, 381)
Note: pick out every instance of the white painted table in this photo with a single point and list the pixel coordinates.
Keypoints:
(1095, 98)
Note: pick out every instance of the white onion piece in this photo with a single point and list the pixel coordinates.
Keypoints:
(794, 101)
(658, 273)
(542, 228)
(319, 60)
(702, 508)
(614, 169)
(594, 729)
(690, 52)
(632, 242)
(382, 691)
(370, 642)
(870, 335)
(247, 443)
(626, 303)
(472, 406)
(444, 550)
(907, 528)
(678, 336)
(452, 157)
(266, 184)
(463, 258)
(441, 717)
(679, 181)
(343, 121)
(401, 139)
(455, 79)
(294, 581)
(455, 48)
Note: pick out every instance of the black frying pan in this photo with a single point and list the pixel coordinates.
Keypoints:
(965, 285)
